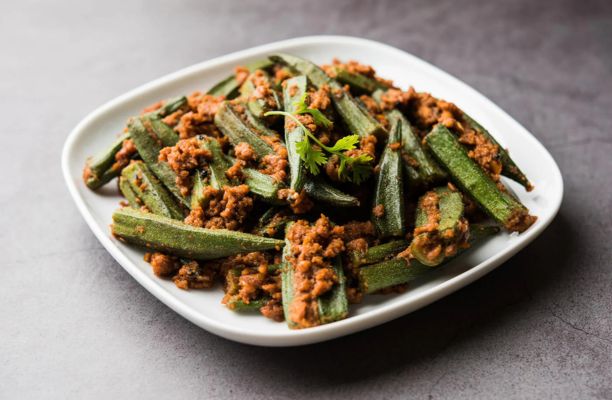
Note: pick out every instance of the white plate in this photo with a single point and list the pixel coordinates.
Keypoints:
(203, 307)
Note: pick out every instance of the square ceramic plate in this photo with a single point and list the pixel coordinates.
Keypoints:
(203, 308)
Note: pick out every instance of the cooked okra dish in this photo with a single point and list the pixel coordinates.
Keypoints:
(302, 188)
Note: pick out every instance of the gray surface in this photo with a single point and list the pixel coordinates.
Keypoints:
(75, 325)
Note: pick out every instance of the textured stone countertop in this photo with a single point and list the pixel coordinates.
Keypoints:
(76, 325)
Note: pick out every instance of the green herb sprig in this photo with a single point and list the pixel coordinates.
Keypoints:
(314, 158)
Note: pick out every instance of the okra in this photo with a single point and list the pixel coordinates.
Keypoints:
(258, 106)
(236, 303)
(126, 190)
(286, 73)
(148, 147)
(167, 136)
(174, 237)
(218, 165)
(212, 175)
(170, 106)
(99, 169)
(232, 126)
(150, 191)
(332, 306)
(509, 167)
(287, 287)
(272, 223)
(420, 168)
(258, 124)
(293, 91)
(359, 83)
(440, 213)
(318, 189)
(378, 253)
(199, 197)
(468, 176)
(229, 87)
(264, 186)
(388, 214)
(357, 121)
(399, 270)
(239, 305)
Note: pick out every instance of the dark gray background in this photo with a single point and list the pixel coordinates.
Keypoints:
(74, 324)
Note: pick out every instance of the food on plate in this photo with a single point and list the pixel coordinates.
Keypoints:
(301, 188)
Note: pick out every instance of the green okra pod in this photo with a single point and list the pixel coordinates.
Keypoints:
(420, 168)
(378, 253)
(148, 146)
(357, 121)
(292, 92)
(440, 229)
(99, 169)
(287, 287)
(236, 303)
(258, 104)
(152, 194)
(213, 174)
(239, 305)
(170, 106)
(389, 273)
(102, 168)
(258, 124)
(229, 122)
(166, 135)
(398, 271)
(199, 196)
(318, 189)
(332, 306)
(509, 167)
(126, 190)
(272, 223)
(218, 165)
(388, 214)
(171, 236)
(359, 83)
(469, 177)
(229, 87)
(264, 186)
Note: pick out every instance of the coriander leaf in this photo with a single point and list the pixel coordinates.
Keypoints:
(361, 168)
(355, 169)
(319, 118)
(311, 156)
(300, 104)
(301, 108)
(302, 148)
(346, 143)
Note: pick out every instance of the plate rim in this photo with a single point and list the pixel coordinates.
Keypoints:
(325, 332)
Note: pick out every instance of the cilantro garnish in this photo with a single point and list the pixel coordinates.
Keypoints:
(355, 169)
